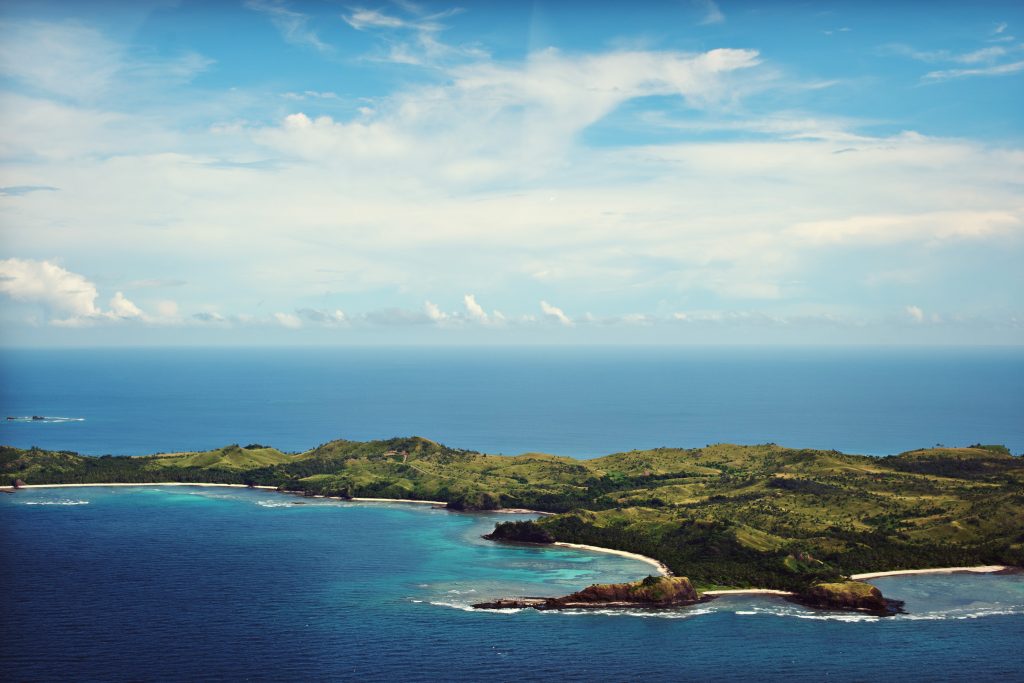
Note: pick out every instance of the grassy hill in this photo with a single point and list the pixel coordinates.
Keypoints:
(724, 515)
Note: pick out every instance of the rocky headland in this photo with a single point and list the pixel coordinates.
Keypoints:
(853, 596)
(654, 591)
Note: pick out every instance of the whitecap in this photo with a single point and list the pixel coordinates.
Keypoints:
(56, 502)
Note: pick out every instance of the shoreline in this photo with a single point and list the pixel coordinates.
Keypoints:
(749, 591)
(152, 483)
(661, 567)
(435, 503)
(982, 569)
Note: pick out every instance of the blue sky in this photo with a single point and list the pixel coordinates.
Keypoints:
(681, 172)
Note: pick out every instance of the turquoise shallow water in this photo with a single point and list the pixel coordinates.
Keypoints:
(187, 583)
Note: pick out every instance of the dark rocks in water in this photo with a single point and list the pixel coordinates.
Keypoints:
(513, 603)
(38, 417)
(520, 532)
(654, 591)
(856, 596)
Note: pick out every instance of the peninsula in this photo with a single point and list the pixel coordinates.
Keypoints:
(727, 517)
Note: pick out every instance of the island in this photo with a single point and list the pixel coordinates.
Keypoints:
(799, 522)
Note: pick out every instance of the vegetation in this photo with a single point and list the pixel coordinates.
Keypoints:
(723, 515)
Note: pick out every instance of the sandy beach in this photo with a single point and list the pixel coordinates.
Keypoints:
(662, 569)
(984, 569)
(748, 591)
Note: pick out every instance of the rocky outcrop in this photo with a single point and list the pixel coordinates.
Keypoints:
(520, 532)
(654, 591)
(848, 595)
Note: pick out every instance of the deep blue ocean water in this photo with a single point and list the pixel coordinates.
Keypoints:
(582, 402)
(187, 583)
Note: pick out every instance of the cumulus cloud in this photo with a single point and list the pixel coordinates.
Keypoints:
(915, 313)
(433, 312)
(329, 318)
(474, 310)
(120, 307)
(60, 291)
(68, 298)
(555, 313)
(288, 320)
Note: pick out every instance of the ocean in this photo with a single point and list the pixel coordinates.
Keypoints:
(582, 402)
(186, 583)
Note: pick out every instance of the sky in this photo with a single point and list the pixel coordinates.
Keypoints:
(688, 172)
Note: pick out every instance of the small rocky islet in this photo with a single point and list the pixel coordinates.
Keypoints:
(661, 592)
(653, 591)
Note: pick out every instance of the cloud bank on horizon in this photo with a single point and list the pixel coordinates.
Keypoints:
(698, 172)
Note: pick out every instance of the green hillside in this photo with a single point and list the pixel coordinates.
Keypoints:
(724, 515)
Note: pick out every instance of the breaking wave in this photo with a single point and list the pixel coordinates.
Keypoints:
(56, 502)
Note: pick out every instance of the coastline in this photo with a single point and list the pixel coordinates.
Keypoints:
(152, 483)
(503, 511)
(983, 569)
(661, 567)
(748, 591)
(663, 570)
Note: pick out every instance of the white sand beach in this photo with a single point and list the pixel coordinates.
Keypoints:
(983, 569)
(748, 591)
(662, 569)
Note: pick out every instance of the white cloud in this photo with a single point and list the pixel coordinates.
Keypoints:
(474, 310)
(294, 26)
(930, 227)
(998, 70)
(63, 58)
(327, 318)
(363, 19)
(555, 313)
(74, 60)
(915, 313)
(167, 309)
(60, 291)
(712, 13)
(434, 313)
(288, 320)
(120, 307)
(311, 95)
(68, 298)
(412, 39)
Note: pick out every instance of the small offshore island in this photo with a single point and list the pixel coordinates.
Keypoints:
(724, 518)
